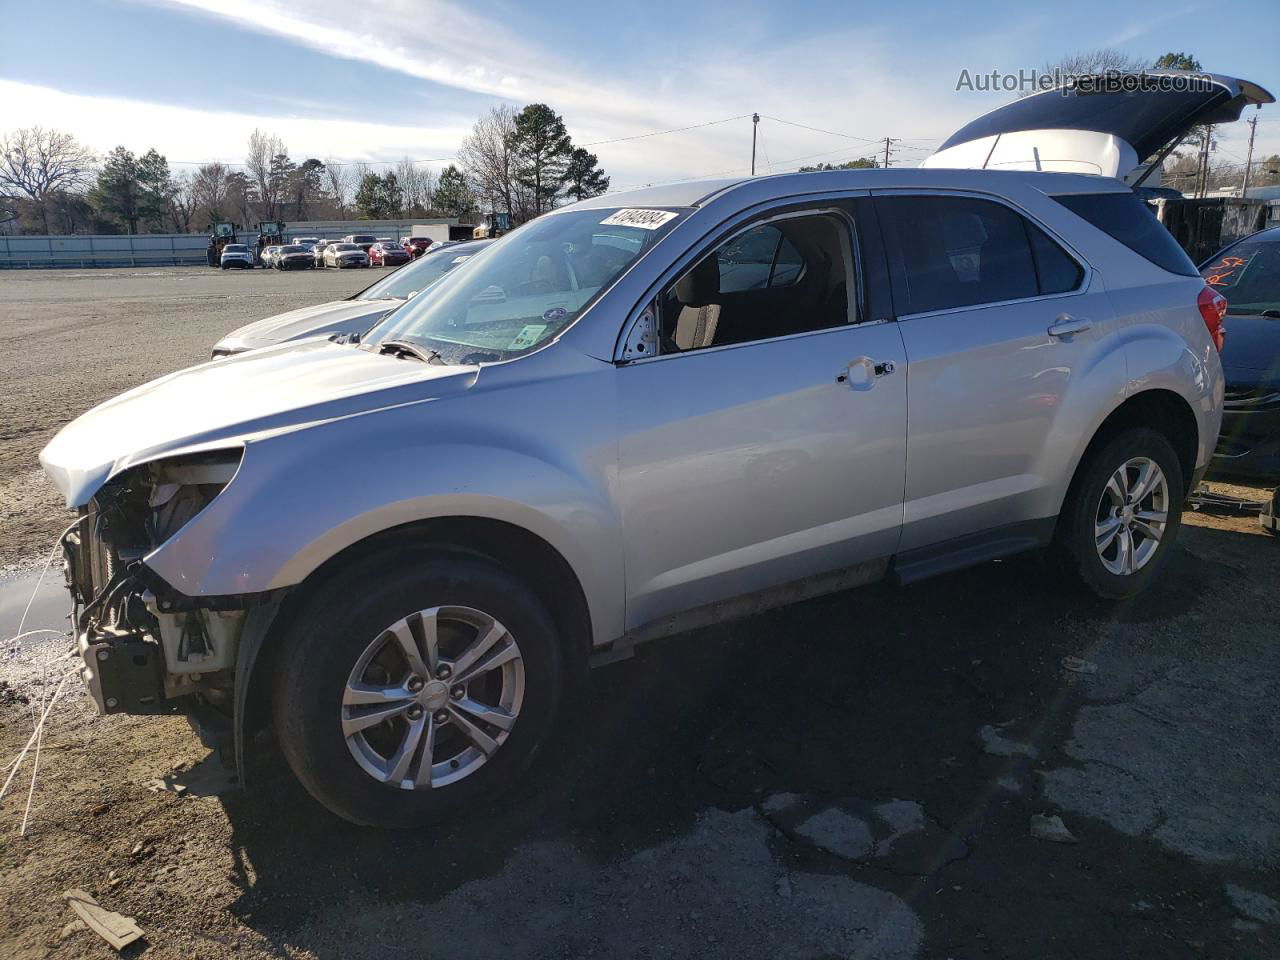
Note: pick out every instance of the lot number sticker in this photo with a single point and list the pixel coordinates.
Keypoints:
(644, 219)
(528, 336)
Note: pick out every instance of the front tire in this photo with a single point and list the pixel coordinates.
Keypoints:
(1123, 514)
(425, 686)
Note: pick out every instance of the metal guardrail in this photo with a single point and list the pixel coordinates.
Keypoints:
(167, 249)
(102, 251)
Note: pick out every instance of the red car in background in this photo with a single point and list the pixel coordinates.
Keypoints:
(415, 246)
(388, 255)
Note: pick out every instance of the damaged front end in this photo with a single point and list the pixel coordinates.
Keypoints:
(147, 648)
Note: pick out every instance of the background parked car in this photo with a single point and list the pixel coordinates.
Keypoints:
(307, 242)
(358, 312)
(318, 248)
(268, 256)
(294, 257)
(363, 240)
(345, 255)
(387, 254)
(236, 255)
(416, 246)
(1247, 273)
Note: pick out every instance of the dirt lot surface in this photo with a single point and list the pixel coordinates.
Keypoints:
(856, 776)
(73, 338)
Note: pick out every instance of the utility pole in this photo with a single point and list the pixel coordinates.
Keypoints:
(755, 122)
(887, 141)
(1248, 163)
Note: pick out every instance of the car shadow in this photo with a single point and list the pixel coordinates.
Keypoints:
(876, 693)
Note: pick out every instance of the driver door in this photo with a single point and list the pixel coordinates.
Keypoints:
(766, 444)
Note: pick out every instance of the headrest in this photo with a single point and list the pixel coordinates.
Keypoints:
(701, 285)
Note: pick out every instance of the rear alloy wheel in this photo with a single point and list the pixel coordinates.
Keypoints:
(1132, 516)
(423, 687)
(1123, 513)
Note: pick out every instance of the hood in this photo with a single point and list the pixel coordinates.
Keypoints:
(230, 401)
(1251, 353)
(322, 319)
(1107, 133)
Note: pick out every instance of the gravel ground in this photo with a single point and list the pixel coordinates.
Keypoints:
(73, 338)
(855, 776)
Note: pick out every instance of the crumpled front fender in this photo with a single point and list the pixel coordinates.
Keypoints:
(301, 497)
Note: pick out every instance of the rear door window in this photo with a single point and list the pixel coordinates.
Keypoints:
(947, 252)
(1124, 217)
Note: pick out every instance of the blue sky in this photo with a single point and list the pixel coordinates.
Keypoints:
(378, 81)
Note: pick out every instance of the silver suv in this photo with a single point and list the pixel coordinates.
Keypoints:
(632, 416)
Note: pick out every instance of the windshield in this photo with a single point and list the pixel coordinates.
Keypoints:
(345, 246)
(1248, 275)
(415, 278)
(293, 249)
(528, 286)
(235, 248)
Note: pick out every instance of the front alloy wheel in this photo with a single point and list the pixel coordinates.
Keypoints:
(415, 684)
(433, 697)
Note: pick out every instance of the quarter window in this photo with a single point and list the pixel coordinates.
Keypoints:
(788, 276)
(1057, 272)
(948, 252)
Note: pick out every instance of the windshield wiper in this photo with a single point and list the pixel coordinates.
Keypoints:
(408, 348)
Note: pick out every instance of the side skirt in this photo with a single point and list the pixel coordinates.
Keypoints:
(737, 608)
(972, 549)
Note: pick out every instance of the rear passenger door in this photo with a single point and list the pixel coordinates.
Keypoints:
(997, 317)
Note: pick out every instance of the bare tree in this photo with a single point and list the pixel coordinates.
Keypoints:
(38, 164)
(339, 179)
(415, 186)
(487, 157)
(1088, 62)
(262, 164)
(210, 189)
(181, 201)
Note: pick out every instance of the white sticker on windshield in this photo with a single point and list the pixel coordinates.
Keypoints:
(528, 336)
(460, 259)
(644, 219)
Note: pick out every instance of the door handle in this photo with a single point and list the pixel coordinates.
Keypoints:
(862, 373)
(1066, 325)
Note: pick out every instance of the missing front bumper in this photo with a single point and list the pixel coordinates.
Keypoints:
(123, 672)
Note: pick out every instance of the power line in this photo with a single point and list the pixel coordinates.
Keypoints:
(658, 133)
(830, 133)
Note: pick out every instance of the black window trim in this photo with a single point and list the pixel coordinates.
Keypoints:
(1086, 275)
(784, 208)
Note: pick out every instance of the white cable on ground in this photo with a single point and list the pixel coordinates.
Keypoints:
(35, 769)
(35, 734)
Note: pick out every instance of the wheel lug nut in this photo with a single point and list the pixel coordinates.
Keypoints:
(458, 692)
(441, 716)
(415, 684)
(445, 672)
(415, 712)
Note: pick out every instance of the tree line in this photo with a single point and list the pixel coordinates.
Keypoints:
(520, 163)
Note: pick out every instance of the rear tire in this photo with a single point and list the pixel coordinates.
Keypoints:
(342, 638)
(1122, 514)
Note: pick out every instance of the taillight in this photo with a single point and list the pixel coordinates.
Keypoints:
(1213, 307)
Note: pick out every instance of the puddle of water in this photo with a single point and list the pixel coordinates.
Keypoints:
(51, 609)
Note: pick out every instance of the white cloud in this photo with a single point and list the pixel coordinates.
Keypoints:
(183, 133)
(868, 82)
